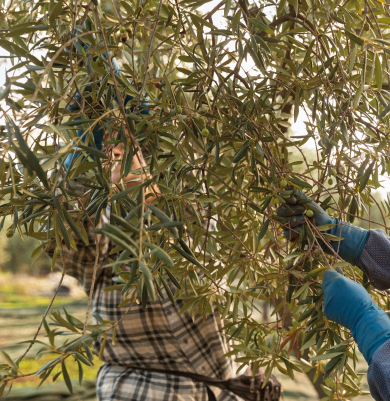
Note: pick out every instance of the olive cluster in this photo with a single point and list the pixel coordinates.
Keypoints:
(126, 32)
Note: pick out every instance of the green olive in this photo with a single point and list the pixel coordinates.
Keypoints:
(309, 213)
(138, 35)
(255, 224)
(122, 29)
(330, 181)
(179, 110)
(9, 233)
(333, 171)
(283, 184)
(205, 132)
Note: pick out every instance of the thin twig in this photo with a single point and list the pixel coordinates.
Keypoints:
(97, 238)
(49, 306)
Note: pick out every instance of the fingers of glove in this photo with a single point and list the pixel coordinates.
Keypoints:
(292, 200)
(316, 207)
(295, 228)
(300, 194)
(296, 221)
(292, 234)
(290, 210)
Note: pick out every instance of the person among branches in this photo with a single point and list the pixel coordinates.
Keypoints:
(345, 301)
(159, 337)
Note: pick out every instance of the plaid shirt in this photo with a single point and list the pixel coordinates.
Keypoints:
(159, 337)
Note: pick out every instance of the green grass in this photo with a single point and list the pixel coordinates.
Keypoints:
(32, 365)
(20, 316)
(18, 301)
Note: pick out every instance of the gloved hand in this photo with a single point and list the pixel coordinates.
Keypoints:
(354, 240)
(349, 304)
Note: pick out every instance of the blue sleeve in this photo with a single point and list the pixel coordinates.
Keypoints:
(98, 130)
(375, 262)
(378, 375)
(375, 259)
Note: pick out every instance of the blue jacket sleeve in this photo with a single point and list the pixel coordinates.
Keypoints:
(378, 375)
(375, 259)
(375, 262)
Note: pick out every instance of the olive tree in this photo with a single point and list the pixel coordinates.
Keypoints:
(206, 107)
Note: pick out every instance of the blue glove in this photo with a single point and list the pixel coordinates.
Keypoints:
(349, 304)
(354, 240)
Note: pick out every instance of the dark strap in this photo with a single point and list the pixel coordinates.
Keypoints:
(222, 384)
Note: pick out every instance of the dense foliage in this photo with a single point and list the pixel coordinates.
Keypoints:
(216, 145)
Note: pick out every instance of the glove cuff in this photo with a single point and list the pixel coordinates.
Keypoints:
(352, 245)
(371, 331)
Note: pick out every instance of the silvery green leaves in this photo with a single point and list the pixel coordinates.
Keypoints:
(203, 113)
(27, 158)
(165, 222)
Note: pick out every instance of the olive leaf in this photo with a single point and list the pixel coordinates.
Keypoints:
(178, 159)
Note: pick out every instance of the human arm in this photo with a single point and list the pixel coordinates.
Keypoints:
(85, 102)
(81, 264)
(375, 259)
(349, 304)
(367, 249)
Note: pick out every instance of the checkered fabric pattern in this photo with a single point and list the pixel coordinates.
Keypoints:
(159, 337)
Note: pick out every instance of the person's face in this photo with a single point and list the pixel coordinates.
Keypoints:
(117, 156)
(131, 179)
